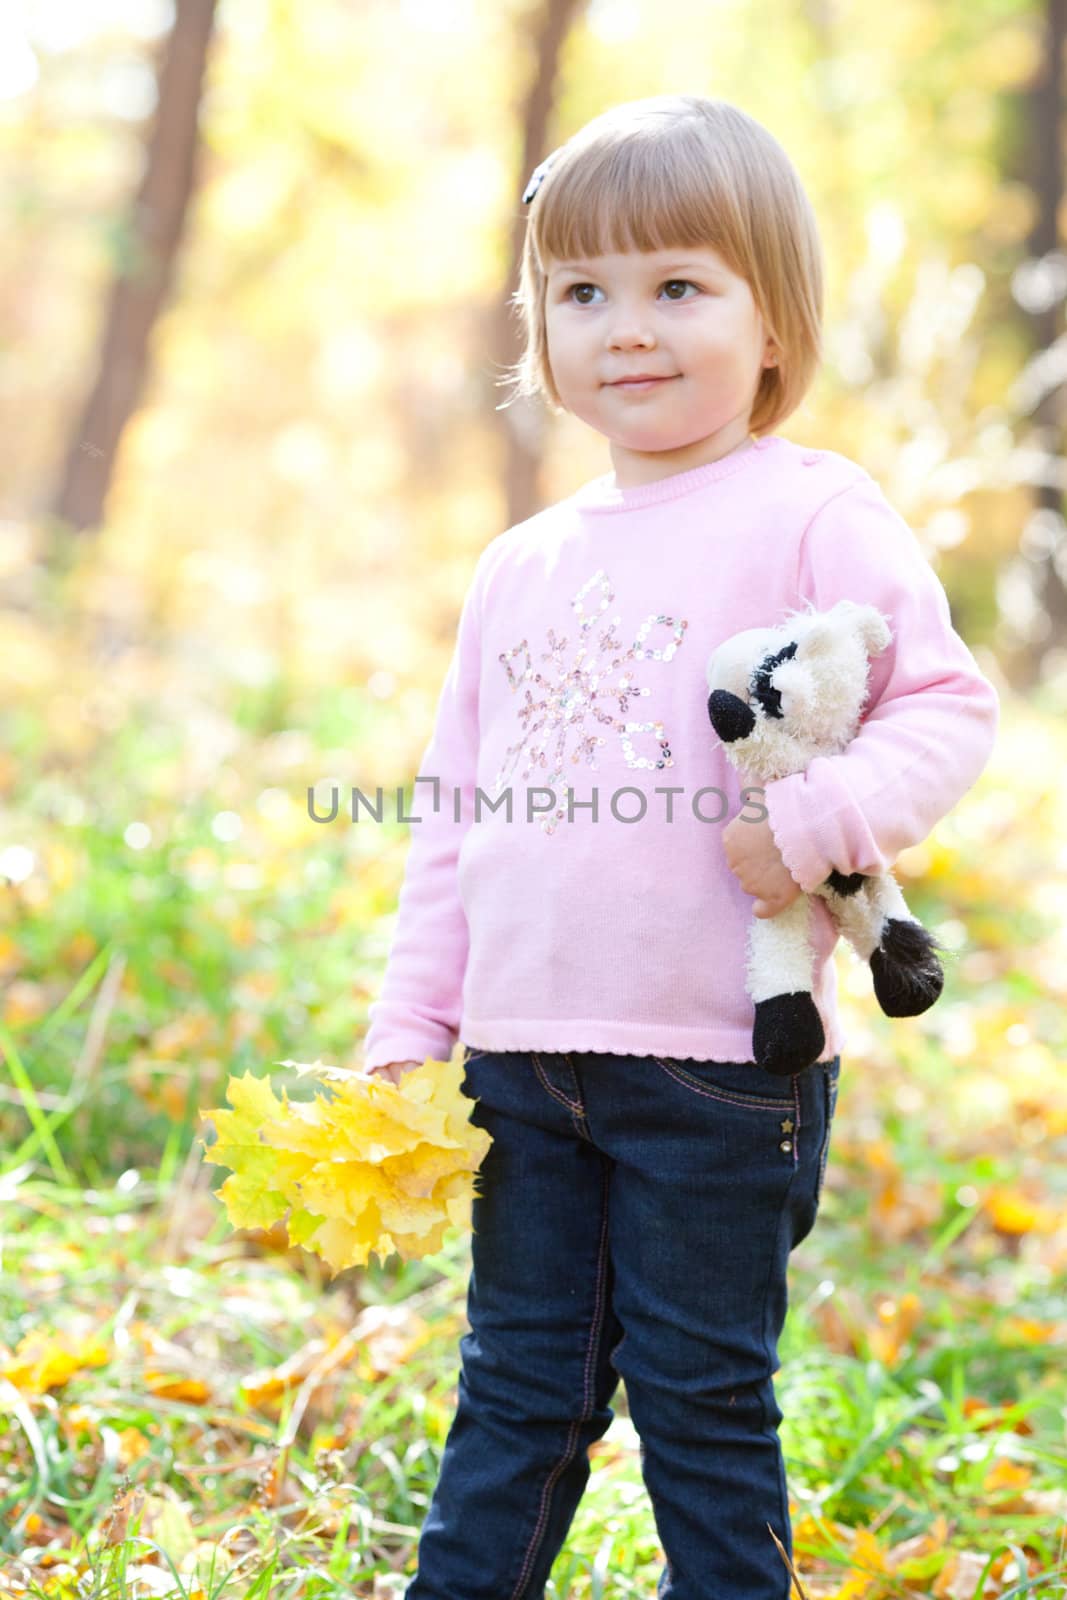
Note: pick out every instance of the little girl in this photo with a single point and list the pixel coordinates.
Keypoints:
(580, 882)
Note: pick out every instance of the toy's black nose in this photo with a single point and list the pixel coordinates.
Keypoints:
(730, 717)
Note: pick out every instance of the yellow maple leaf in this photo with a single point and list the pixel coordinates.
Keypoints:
(868, 1566)
(898, 1320)
(1006, 1474)
(379, 1167)
(169, 1387)
(1013, 1212)
(44, 1359)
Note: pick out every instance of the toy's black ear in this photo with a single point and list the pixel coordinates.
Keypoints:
(730, 717)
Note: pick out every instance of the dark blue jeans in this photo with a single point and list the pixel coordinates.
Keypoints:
(633, 1217)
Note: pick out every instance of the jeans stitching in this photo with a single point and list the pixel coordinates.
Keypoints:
(557, 1094)
(765, 1426)
(578, 1116)
(735, 1099)
(588, 1399)
(579, 1104)
(830, 1085)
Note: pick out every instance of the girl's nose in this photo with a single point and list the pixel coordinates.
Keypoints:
(630, 327)
(625, 336)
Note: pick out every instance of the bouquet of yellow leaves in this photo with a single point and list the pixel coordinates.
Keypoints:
(380, 1167)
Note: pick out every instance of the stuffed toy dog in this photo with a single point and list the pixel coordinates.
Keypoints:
(780, 696)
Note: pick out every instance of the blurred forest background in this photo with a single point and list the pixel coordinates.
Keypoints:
(257, 259)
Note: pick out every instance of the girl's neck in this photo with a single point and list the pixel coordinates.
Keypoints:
(605, 495)
(634, 469)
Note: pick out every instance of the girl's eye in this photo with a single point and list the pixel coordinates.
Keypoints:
(685, 282)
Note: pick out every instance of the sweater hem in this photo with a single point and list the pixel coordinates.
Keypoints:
(556, 1036)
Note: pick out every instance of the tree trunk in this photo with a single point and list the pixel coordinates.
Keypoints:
(154, 231)
(1046, 175)
(523, 422)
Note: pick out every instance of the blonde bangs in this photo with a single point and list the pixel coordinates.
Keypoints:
(625, 198)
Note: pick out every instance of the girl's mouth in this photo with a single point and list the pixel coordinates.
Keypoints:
(639, 385)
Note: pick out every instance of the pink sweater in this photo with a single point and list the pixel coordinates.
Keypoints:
(580, 662)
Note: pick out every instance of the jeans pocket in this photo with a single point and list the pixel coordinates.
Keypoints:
(738, 1083)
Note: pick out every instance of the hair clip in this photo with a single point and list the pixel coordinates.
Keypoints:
(537, 178)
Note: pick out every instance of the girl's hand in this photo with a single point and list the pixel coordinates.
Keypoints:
(756, 863)
(393, 1070)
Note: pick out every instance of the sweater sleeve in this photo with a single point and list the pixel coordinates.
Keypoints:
(931, 716)
(418, 1010)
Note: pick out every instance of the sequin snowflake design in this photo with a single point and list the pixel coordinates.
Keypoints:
(566, 705)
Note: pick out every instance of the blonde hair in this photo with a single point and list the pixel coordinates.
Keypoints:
(688, 172)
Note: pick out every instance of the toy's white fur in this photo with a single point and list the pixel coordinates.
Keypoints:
(823, 688)
(780, 956)
(775, 716)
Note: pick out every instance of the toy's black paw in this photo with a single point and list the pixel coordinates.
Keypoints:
(788, 1034)
(908, 977)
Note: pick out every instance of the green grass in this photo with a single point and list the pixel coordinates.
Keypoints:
(147, 1275)
(321, 1487)
(923, 1375)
